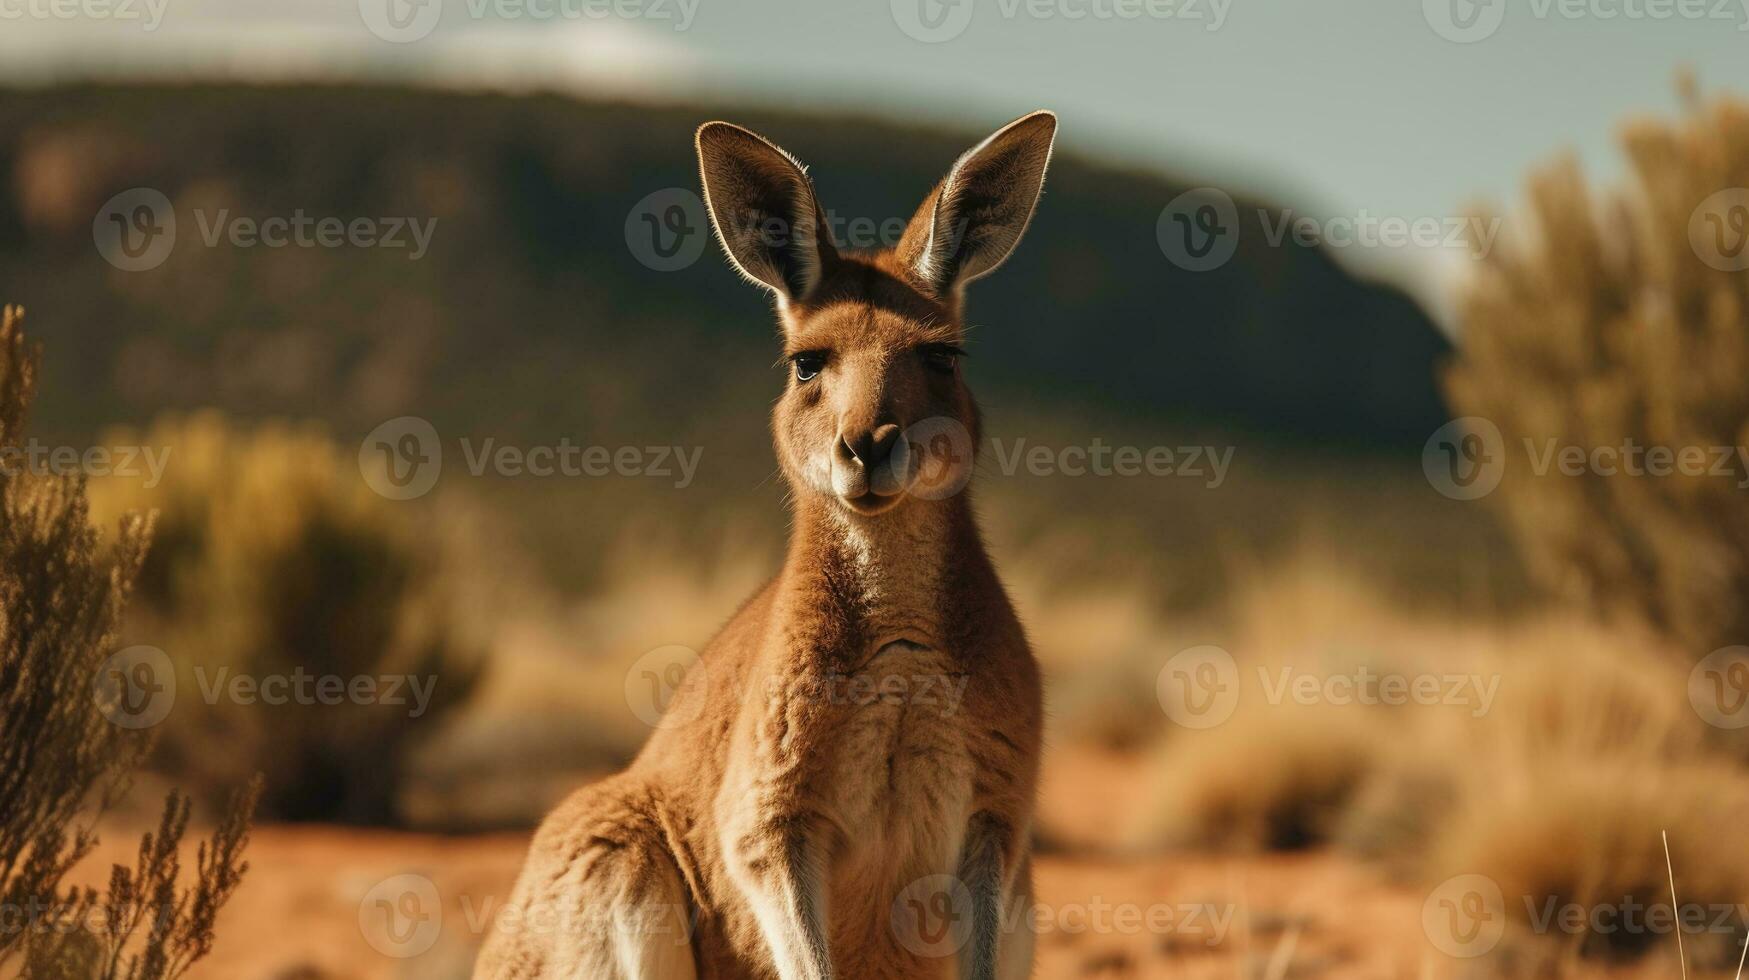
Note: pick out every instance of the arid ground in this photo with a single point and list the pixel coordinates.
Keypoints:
(305, 913)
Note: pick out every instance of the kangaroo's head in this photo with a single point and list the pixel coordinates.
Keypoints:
(876, 411)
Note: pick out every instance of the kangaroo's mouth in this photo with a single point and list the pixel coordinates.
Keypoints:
(871, 490)
(870, 503)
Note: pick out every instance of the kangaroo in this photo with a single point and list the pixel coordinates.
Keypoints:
(843, 784)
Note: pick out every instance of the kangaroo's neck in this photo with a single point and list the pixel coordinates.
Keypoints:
(893, 577)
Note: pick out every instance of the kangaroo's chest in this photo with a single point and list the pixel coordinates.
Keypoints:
(901, 788)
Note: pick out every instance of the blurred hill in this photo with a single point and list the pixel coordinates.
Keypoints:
(530, 315)
(531, 319)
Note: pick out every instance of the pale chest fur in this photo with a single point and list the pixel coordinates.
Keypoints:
(901, 784)
(901, 790)
(902, 768)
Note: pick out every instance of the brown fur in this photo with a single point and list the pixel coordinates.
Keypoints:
(772, 826)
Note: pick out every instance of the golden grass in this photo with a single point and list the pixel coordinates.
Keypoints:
(1557, 791)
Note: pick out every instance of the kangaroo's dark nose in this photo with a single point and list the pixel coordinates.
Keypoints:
(872, 447)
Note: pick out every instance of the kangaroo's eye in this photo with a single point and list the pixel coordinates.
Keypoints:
(941, 358)
(808, 364)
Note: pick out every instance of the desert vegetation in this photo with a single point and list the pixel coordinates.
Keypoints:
(1599, 325)
(273, 559)
(1604, 326)
(63, 757)
(1572, 609)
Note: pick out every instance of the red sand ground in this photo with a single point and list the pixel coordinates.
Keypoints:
(298, 915)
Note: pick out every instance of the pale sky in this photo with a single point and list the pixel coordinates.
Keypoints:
(1341, 108)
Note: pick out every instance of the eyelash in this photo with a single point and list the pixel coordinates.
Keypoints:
(942, 358)
(811, 362)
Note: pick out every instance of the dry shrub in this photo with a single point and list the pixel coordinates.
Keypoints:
(1609, 322)
(1266, 779)
(1558, 791)
(1280, 773)
(1590, 837)
(1601, 324)
(276, 560)
(62, 761)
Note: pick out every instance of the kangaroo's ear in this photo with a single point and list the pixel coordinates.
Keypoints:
(762, 205)
(974, 218)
